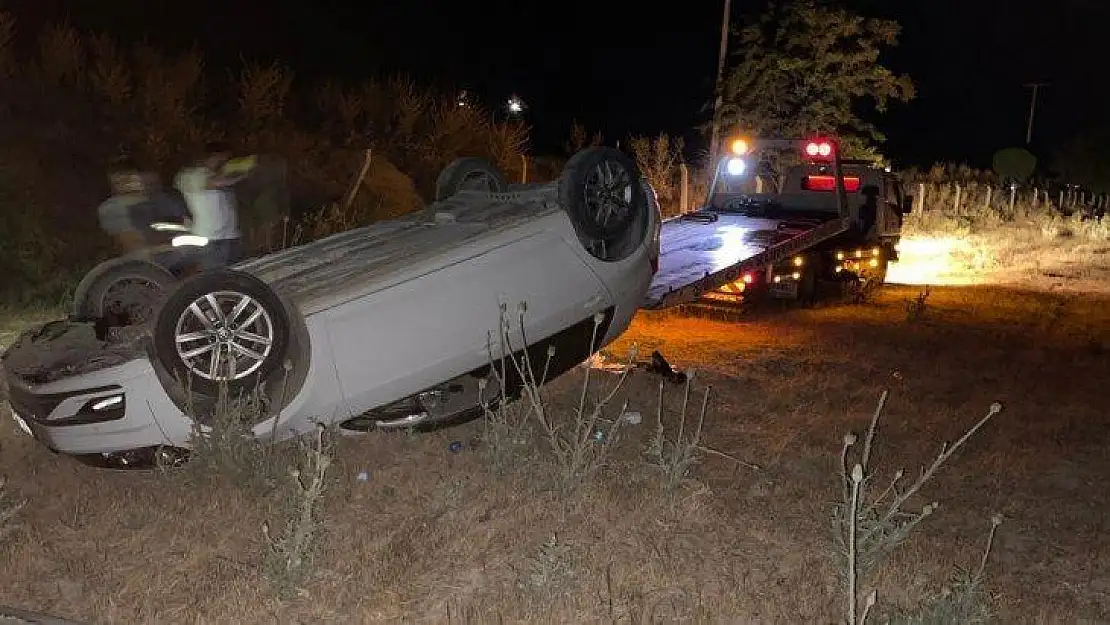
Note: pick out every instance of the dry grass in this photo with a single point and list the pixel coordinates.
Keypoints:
(411, 529)
(14, 320)
(9, 511)
(982, 239)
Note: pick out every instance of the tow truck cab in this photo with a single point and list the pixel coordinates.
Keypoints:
(873, 203)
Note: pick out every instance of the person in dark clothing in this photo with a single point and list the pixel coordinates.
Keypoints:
(137, 202)
(869, 209)
(119, 215)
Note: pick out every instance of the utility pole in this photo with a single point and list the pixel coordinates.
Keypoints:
(715, 137)
(1032, 109)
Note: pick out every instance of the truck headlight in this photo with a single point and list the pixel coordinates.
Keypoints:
(736, 166)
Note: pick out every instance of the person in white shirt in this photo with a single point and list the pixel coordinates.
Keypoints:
(211, 200)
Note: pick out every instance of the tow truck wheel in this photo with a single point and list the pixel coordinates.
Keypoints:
(601, 190)
(470, 173)
(122, 292)
(222, 327)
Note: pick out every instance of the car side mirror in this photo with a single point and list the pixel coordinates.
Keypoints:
(907, 205)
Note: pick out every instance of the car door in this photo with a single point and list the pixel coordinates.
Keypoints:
(428, 330)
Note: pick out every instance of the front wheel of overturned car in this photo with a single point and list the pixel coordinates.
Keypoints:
(470, 173)
(222, 327)
(122, 292)
(602, 191)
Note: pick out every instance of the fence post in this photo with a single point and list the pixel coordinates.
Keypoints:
(921, 197)
(361, 176)
(684, 190)
(987, 204)
(1061, 203)
(1036, 193)
(956, 199)
(1013, 197)
(523, 169)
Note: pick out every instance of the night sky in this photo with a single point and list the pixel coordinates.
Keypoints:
(638, 67)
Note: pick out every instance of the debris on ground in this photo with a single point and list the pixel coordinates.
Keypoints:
(632, 417)
(661, 367)
(13, 616)
(602, 362)
(657, 366)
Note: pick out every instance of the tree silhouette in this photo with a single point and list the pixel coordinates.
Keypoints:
(806, 68)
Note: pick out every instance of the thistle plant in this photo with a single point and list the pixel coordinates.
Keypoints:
(867, 530)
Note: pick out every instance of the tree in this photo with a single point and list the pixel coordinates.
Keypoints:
(1085, 159)
(660, 159)
(580, 138)
(805, 68)
(1014, 164)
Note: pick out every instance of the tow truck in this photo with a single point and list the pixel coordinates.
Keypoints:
(827, 220)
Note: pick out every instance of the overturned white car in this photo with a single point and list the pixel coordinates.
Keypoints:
(387, 325)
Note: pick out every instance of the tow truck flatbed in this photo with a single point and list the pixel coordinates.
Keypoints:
(783, 242)
(705, 250)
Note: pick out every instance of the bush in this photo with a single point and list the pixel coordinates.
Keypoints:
(81, 98)
(661, 161)
(963, 206)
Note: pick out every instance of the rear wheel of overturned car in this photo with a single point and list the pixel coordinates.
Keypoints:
(222, 327)
(122, 292)
(602, 189)
(470, 173)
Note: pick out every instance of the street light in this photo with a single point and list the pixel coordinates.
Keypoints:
(515, 105)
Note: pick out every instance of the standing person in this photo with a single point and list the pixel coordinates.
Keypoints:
(123, 215)
(211, 200)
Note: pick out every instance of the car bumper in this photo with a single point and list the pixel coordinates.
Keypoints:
(123, 407)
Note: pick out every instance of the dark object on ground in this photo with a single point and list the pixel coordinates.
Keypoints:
(12, 615)
(660, 366)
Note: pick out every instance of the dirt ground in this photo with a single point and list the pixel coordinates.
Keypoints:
(414, 531)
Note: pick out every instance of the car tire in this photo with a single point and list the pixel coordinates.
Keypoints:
(250, 317)
(123, 292)
(584, 191)
(470, 173)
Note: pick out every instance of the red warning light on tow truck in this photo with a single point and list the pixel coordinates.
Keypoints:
(819, 148)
